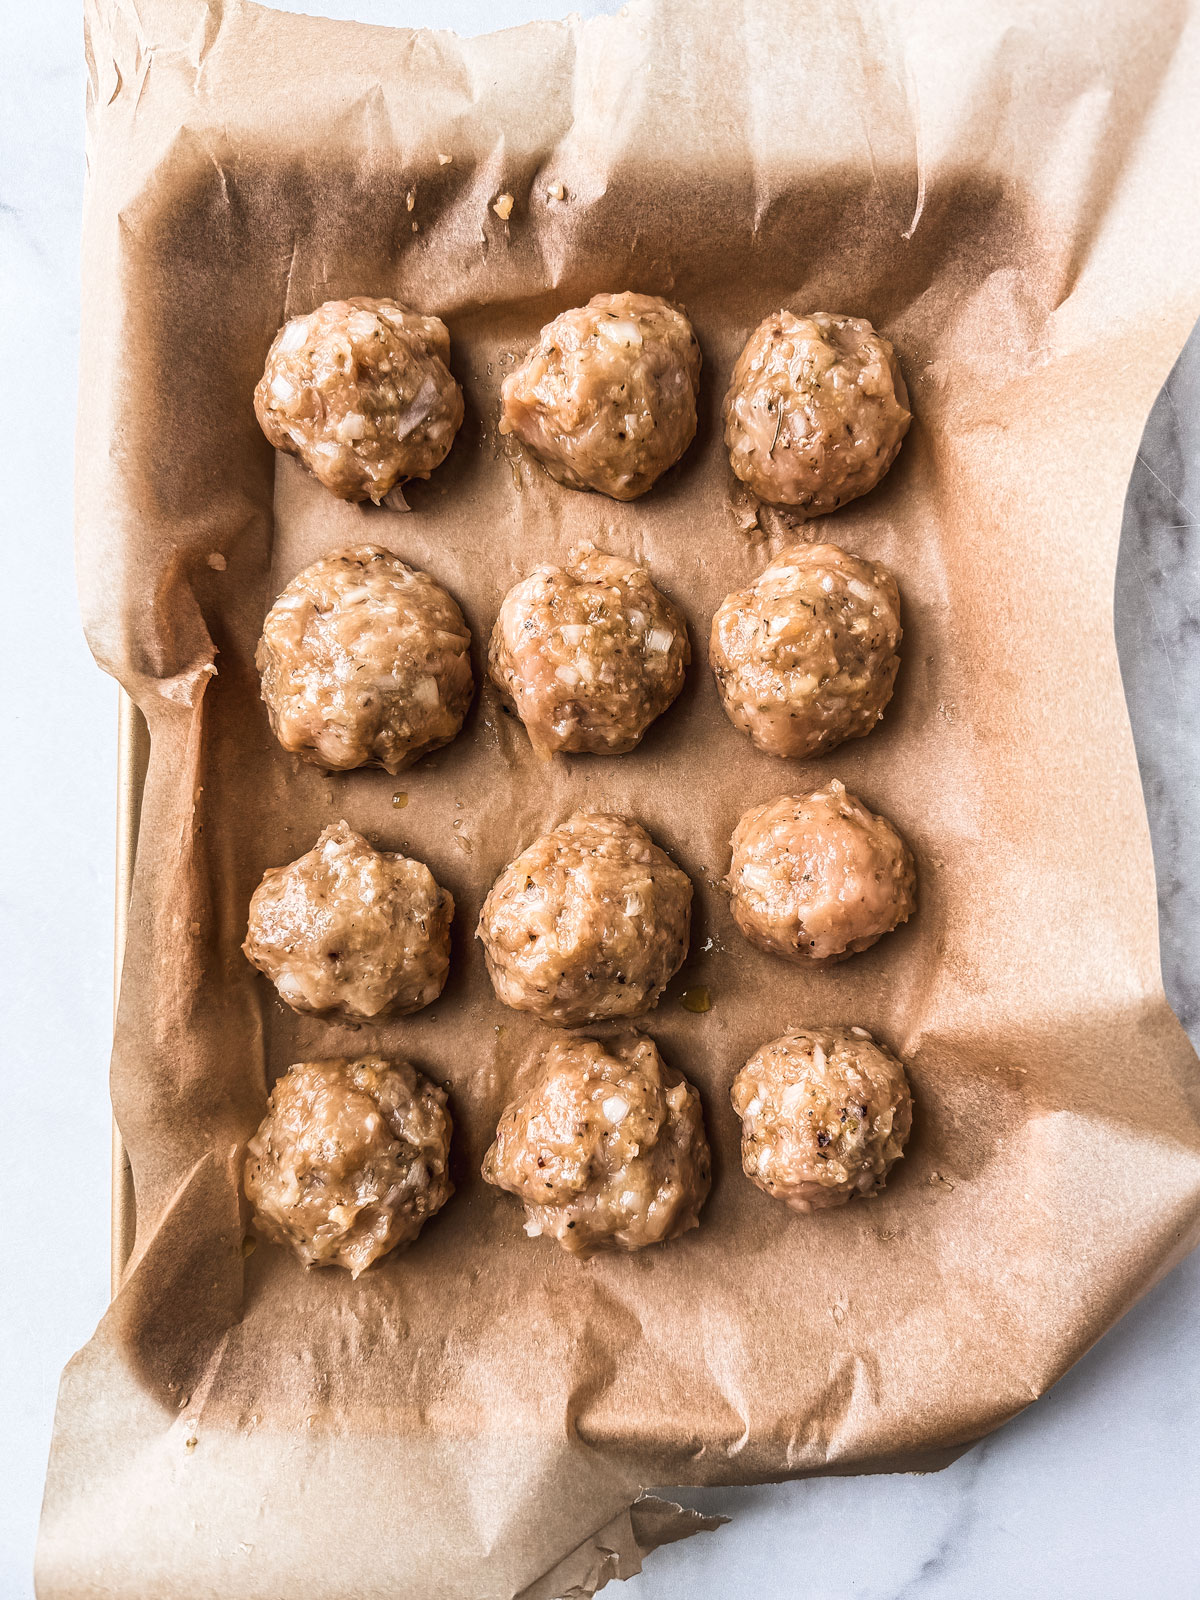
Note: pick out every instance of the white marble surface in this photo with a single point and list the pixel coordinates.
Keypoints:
(1091, 1493)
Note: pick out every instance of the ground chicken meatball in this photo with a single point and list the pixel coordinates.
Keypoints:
(816, 410)
(806, 656)
(588, 655)
(351, 931)
(824, 1116)
(817, 877)
(349, 1161)
(590, 922)
(607, 1150)
(606, 399)
(360, 391)
(365, 662)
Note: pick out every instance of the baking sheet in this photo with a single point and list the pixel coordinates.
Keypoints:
(461, 1421)
(133, 759)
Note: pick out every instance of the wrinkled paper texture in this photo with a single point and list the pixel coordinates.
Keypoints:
(1010, 191)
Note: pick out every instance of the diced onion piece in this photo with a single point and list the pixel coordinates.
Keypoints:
(860, 591)
(659, 640)
(293, 336)
(362, 325)
(615, 1109)
(620, 330)
(352, 426)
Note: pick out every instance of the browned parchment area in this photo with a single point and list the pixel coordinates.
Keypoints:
(461, 1420)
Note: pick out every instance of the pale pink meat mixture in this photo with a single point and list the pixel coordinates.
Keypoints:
(365, 662)
(606, 399)
(588, 655)
(825, 1113)
(350, 1160)
(361, 391)
(607, 1150)
(818, 877)
(816, 410)
(806, 656)
(590, 922)
(351, 931)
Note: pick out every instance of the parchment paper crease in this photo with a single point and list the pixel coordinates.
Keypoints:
(1011, 191)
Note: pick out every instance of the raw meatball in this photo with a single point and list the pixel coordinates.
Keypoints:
(824, 1115)
(806, 656)
(590, 922)
(588, 655)
(817, 877)
(607, 1150)
(816, 410)
(606, 399)
(351, 931)
(349, 1161)
(365, 662)
(360, 391)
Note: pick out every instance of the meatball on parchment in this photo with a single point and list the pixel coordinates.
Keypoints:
(350, 1160)
(347, 930)
(818, 877)
(606, 399)
(588, 655)
(825, 1113)
(816, 410)
(805, 657)
(365, 662)
(590, 922)
(361, 391)
(607, 1150)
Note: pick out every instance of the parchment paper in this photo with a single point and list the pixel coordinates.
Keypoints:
(1009, 190)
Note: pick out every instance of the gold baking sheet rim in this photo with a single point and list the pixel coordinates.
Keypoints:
(133, 757)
